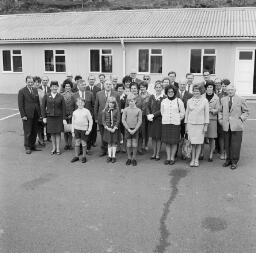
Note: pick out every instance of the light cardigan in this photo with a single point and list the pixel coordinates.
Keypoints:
(172, 111)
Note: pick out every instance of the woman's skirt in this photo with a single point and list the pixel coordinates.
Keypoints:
(54, 124)
(195, 133)
(212, 129)
(111, 138)
(170, 134)
(155, 129)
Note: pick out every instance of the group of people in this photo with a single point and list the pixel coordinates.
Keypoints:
(130, 112)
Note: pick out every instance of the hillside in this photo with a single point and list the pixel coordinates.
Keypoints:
(24, 6)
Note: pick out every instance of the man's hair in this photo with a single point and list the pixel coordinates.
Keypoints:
(172, 72)
(29, 77)
(78, 77)
(101, 74)
(37, 79)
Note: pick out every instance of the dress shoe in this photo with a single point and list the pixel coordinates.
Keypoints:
(172, 162)
(109, 159)
(84, 159)
(166, 162)
(152, 158)
(28, 151)
(201, 157)
(233, 166)
(113, 159)
(210, 159)
(134, 162)
(74, 159)
(128, 162)
(226, 164)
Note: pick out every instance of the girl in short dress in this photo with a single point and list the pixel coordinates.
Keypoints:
(111, 120)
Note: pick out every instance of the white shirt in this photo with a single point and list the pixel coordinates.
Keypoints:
(81, 94)
(53, 94)
(82, 120)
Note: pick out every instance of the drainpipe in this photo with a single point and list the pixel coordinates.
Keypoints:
(123, 49)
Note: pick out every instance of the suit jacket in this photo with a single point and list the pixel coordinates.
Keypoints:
(176, 84)
(100, 103)
(89, 100)
(185, 97)
(28, 103)
(94, 91)
(237, 115)
(53, 106)
(48, 90)
(100, 86)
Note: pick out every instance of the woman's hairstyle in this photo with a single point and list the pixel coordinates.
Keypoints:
(225, 81)
(111, 100)
(67, 81)
(158, 82)
(37, 79)
(144, 84)
(54, 83)
(198, 87)
(119, 85)
(78, 77)
(127, 79)
(134, 84)
(170, 87)
(210, 83)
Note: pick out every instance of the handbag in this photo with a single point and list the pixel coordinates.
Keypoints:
(67, 128)
(186, 148)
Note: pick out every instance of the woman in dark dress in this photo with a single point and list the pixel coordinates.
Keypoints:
(54, 113)
(155, 119)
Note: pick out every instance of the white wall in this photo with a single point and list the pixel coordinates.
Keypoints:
(176, 56)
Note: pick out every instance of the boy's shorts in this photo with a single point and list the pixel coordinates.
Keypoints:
(80, 134)
(131, 136)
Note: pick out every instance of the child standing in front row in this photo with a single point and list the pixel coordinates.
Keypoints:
(131, 119)
(81, 127)
(111, 120)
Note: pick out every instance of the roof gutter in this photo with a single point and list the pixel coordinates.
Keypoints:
(131, 40)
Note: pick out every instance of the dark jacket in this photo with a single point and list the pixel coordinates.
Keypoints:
(94, 91)
(28, 103)
(53, 106)
(89, 100)
(106, 118)
(154, 106)
(185, 97)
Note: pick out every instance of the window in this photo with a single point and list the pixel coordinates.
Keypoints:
(101, 60)
(202, 60)
(55, 60)
(12, 60)
(150, 60)
(245, 55)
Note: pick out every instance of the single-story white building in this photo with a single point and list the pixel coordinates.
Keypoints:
(220, 40)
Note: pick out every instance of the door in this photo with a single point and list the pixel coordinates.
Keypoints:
(244, 71)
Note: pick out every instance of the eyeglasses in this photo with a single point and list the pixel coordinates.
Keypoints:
(146, 79)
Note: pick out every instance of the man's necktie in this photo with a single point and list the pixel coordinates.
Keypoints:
(44, 91)
(83, 95)
(230, 103)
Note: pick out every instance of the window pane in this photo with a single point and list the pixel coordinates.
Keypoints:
(16, 51)
(60, 64)
(143, 60)
(245, 55)
(95, 60)
(195, 61)
(48, 59)
(209, 51)
(60, 52)
(17, 63)
(156, 51)
(209, 64)
(156, 64)
(106, 51)
(7, 60)
(106, 64)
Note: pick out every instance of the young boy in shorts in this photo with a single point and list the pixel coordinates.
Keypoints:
(81, 127)
(131, 119)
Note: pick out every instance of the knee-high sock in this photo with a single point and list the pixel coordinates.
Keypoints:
(109, 151)
(134, 153)
(129, 152)
(84, 151)
(77, 151)
(114, 151)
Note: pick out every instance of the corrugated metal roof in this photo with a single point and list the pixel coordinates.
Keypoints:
(214, 23)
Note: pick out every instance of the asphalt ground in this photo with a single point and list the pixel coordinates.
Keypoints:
(48, 205)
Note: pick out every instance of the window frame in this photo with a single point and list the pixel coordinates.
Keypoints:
(202, 59)
(149, 62)
(11, 60)
(54, 61)
(100, 62)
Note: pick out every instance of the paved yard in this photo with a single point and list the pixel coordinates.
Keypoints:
(49, 205)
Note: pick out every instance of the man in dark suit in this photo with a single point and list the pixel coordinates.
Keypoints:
(46, 89)
(184, 96)
(172, 75)
(102, 78)
(233, 113)
(29, 107)
(101, 99)
(94, 89)
(133, 75)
